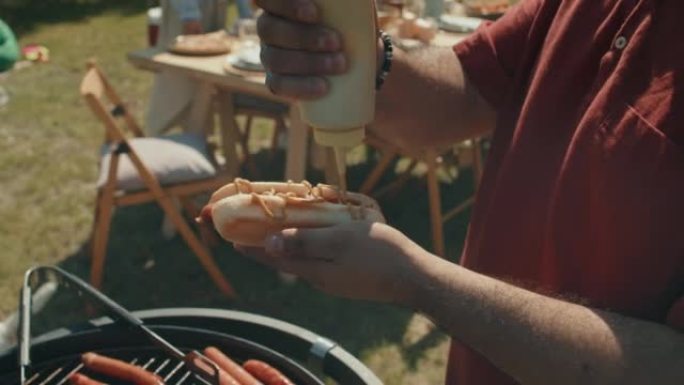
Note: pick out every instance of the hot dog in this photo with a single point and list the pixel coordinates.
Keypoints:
(245, 212)
(266, 373)
(231, 367)
(80, 379)
(119, 369)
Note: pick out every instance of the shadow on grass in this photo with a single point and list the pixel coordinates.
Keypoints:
(413, 353)
(25, 15)
(145, 271)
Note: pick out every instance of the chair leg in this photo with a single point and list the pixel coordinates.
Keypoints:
(230, 134)
(330, 171)
(277, 129)
(197, 247)
(168, 230)
(247, 133)
(244, 138)
(458, 209)
(377, 172)
(103, 219)
(247, 157)
(206, 232)
(435, 205)
(397, 183)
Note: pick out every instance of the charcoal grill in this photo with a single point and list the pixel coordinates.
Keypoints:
(303, 356)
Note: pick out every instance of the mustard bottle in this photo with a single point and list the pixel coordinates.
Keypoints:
(339, 118)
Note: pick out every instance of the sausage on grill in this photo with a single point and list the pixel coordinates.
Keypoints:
(230, 366)
(266, 373)
(119, 369)
(80, 379)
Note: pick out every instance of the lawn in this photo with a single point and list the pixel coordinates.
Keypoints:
(48, 147)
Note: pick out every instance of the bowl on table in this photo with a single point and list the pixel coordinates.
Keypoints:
(246, 58)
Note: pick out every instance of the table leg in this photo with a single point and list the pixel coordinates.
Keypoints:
(199, 120)
(297, 138)
(317, 157)
(330, 169)
(230, 133)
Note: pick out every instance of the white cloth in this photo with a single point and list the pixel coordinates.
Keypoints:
(172, 159)
(172, 93)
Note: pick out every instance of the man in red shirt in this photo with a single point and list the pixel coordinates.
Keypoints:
(573, 270)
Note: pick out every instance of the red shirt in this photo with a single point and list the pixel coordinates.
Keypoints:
(583, 193)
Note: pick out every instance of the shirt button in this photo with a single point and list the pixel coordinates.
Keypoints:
(620, 42)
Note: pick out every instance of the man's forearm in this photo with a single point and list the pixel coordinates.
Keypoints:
(427, 101)
(541, 340)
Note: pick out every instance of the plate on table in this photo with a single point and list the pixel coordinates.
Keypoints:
(207, 44)
(409, 44)
(246, 59)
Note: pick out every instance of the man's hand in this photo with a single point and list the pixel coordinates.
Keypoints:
(297, 51)
(192, 27)
(368, 261)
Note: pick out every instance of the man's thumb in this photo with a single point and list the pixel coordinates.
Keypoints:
(299, 243)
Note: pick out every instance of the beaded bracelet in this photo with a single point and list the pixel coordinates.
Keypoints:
(388, 49)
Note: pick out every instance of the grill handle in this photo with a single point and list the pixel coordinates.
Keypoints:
(24, 332)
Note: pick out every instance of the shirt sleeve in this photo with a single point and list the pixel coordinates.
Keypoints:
(493, 54)
(187, 9)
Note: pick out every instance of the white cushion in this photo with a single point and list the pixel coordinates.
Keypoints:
(171, 159)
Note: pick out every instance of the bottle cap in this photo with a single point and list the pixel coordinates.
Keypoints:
(347, 138)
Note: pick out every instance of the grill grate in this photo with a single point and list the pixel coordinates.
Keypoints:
(55, 356)
(204, 369)
(171, 370)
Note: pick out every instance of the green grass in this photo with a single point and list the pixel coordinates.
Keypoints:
(48, 146)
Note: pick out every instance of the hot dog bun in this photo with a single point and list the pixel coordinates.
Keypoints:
(245, 212)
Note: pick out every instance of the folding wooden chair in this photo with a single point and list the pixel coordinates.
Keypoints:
(140, 170)
(433, 160)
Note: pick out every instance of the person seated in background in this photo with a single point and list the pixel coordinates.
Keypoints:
(9, 50)
(9, 54)
(172, 93)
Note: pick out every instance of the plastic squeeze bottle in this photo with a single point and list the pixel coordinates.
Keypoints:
(339, 118)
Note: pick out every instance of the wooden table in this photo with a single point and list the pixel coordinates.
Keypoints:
(213, 79)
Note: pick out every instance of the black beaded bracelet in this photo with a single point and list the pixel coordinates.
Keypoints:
(388, 50)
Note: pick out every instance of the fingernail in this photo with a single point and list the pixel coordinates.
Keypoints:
(335, 63)
(318, 86)
(306, 12)
(328, 42)
(275, 244)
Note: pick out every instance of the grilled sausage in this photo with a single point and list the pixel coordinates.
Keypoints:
(266, 373)
(80, 379)
(230, 366)
(224, 377)
(119, 369)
